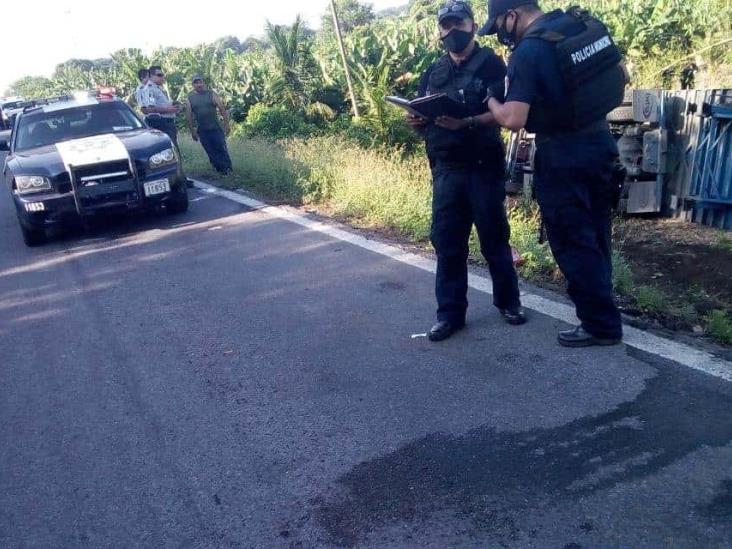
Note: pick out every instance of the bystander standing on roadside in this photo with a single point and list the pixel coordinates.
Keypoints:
(203, 108)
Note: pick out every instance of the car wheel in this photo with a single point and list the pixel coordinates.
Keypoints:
(33, 237)
(178, 205)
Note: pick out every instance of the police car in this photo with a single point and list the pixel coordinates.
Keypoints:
(10, 109)
(77, 158)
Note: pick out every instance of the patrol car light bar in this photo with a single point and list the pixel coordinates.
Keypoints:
(106, 92)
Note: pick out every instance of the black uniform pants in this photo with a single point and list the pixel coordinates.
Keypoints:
(165, 125)
(574, 191)
(463, 196)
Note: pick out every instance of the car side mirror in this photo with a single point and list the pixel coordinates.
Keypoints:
(4, 146)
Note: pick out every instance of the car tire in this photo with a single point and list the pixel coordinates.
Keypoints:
(178, 205)
(33, 237)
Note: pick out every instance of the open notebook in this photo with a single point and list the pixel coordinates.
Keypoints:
(431, 106)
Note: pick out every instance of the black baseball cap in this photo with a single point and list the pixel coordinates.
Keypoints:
(457, 9)
(496, 8)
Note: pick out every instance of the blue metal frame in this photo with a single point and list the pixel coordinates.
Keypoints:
(710, 185)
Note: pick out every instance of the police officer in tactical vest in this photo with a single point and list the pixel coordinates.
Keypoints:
(565, 74)
(467, 160)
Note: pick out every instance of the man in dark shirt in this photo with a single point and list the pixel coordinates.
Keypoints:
(467, 160)
(573, 166)
(202, 107)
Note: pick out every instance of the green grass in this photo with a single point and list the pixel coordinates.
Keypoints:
(720, 326)
(537, 258)
(678, 314)
(725, 242)
(622, 275)
(263, 165)
(651, 300)
(377, 187)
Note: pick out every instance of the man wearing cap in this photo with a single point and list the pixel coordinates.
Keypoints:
(156, 101)
(574, 158)
(467, 160)
(203, 104)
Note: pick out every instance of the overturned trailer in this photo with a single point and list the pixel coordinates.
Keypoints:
(676, 147)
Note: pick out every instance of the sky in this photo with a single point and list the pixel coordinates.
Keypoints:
(63, 29)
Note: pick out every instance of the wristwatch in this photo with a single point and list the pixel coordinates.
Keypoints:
(471, 123)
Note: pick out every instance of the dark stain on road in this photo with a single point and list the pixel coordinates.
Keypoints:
(720, 508)
(391, 286)
(488, 477)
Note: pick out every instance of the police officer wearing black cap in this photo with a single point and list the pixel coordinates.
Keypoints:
(467, 160)
(565, 74)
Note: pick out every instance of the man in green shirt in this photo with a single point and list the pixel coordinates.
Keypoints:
(202, 105)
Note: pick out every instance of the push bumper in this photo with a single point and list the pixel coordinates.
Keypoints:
(47, 210)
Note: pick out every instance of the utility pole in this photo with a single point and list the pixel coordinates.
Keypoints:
(339, 36)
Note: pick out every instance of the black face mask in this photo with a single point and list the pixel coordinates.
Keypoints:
(457, 40)
(508, 39)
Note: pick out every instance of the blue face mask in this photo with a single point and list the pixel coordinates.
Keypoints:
(457, 40)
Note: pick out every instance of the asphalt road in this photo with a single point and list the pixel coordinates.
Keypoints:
(227, 379)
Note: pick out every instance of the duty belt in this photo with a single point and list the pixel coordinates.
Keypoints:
(594, 127)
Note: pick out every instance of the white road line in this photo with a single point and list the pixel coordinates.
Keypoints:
(638, 339)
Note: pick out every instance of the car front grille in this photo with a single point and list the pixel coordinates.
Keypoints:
(102, 174)
(104, 185)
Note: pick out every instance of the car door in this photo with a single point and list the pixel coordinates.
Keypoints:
(5, 136)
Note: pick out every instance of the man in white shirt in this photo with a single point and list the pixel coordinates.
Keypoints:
(144, 76)
(155, 100)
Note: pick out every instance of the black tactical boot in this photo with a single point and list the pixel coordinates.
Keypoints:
(443, 329)
(578, 337)
(515, 316)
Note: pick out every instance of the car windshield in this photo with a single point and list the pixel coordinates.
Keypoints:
(13, 105)
(41, 129)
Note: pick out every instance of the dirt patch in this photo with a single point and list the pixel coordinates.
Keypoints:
(685, 261)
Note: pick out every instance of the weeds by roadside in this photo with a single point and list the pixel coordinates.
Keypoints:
(720, 326)
(725, 242)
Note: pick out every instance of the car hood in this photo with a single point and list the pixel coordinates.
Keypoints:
(48, 161)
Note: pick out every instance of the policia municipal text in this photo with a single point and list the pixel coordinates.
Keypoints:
(467, 161)
(565, 74)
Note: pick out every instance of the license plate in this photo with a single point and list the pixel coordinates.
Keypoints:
(159, 186)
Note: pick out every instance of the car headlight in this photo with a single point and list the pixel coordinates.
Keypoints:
(32, 184)
(162, 159)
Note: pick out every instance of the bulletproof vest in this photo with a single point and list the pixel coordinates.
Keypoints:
(590, 68)
(467, 84)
